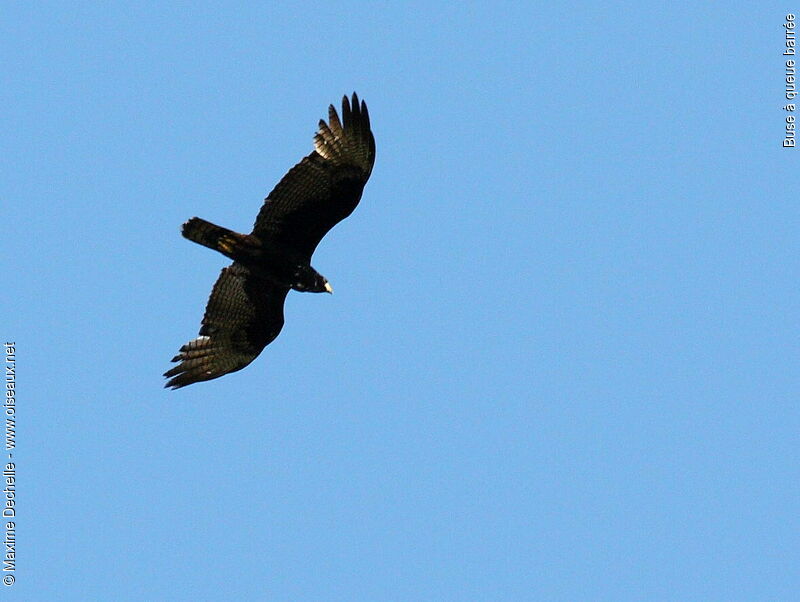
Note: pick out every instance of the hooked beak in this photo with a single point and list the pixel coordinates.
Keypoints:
(328, 288)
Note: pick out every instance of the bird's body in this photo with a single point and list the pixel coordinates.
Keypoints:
(245, 310)
(263, 257)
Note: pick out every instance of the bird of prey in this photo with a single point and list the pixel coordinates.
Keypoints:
(245, 310)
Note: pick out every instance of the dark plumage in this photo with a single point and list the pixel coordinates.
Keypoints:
(245, 311)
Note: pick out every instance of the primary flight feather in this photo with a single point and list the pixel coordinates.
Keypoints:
(245, 311)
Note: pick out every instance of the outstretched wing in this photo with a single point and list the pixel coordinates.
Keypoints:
(244, 314)
(325, 186)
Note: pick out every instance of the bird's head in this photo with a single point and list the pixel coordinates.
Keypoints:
(308, 280)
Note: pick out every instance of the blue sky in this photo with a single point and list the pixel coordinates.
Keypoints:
(561, 359)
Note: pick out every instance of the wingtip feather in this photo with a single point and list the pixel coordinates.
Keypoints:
(347, 140)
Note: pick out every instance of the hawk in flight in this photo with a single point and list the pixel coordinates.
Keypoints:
(245, 310)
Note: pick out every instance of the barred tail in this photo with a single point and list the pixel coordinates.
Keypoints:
(229, 243)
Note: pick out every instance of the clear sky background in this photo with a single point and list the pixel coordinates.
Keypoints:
(561, 362)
